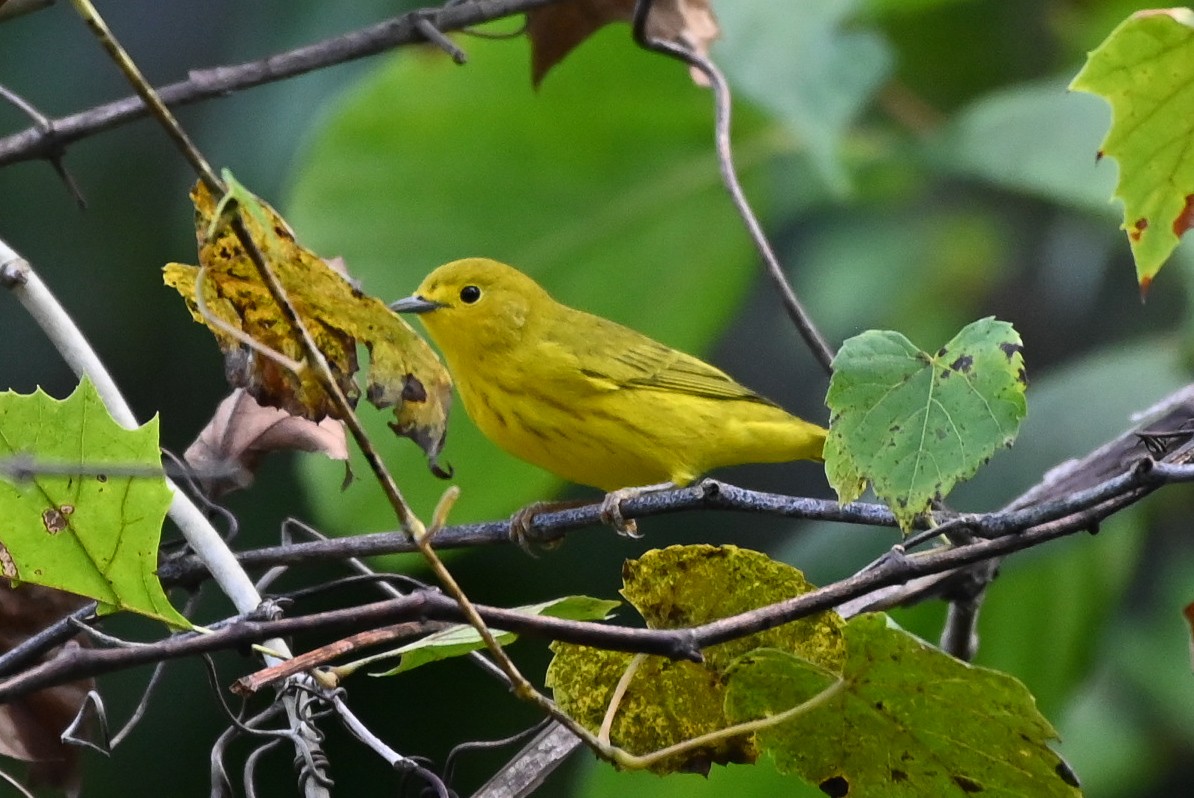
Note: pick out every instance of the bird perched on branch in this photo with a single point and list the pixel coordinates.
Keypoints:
(588, 399)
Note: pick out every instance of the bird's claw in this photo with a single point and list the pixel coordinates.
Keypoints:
(611, 514)
(520, 528)
(521, 522)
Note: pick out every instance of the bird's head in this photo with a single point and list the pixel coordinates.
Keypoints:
(475, 306)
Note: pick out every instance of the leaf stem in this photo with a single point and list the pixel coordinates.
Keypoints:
(725, 158)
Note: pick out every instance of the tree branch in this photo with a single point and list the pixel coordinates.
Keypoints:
(546, 527)
(75, 663)
(38, 142)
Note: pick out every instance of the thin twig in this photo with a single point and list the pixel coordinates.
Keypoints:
(53, 154)
(725, 158)
(14, 8)
(54, 635)
(221, 81)
(421, 606)
(254, 682)
(550, 526)
(395, 760)
(148, 96)
(435, 36)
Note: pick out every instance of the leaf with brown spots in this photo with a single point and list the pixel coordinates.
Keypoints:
(1143, 69)
(669, 702)
(64, 522)
(903, 720)
(556, 30)
(404, 373)
(914, 424)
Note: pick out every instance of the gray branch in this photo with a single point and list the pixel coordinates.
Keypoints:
(40, 141)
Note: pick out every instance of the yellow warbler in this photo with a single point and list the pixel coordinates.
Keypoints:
(588, 399)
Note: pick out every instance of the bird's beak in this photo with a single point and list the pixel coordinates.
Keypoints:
(415, 304)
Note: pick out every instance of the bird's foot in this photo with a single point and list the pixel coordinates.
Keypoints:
(611, 507)
(611, 513)
(521, 522)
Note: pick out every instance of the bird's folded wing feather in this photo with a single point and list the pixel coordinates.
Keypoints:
(616, 357)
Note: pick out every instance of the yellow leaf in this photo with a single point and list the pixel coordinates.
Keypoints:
(404, 373)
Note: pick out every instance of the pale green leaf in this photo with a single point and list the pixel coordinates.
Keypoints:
(89, 533)
(1145, 69)
(460, 639)
(912, 423)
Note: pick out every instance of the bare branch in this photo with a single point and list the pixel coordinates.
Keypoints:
(204, 84)
(548, 527)
(419, 606)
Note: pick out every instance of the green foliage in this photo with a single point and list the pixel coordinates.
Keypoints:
(909, 721)
(913, 424)
(865, 707)
(605, 178)
(975, 191)
(89, 533)
(760, 780)
(460, 639)
(1035, 139)
(1143, 69)
(828, 69)
(670, 702)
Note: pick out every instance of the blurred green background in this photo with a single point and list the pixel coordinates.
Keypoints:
(917, 164)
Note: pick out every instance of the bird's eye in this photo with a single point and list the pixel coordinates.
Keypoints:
(470, 294)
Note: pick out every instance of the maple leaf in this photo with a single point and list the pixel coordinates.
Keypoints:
(404, 372)
(1143, 69)
(557, 29)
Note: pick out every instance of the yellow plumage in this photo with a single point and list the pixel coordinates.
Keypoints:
(588, 399)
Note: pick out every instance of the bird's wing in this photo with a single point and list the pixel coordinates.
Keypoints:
(617, 357)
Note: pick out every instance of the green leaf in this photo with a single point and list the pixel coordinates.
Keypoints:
(668, 702)
(1032, 138)
(1144, 69)
(913, 424)
(88, 533)
(605, 178)
(812, 68)
(596, 779)
(684, 586)
(458, 640)
(664, 703)
(908, 720)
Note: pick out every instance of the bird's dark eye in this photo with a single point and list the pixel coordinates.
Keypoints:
(470, 294)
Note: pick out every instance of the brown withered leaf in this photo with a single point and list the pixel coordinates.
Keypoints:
(404, 372)
(228, 450)
(557, 29)
(31, 726)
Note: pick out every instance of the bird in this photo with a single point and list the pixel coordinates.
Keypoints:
(591, 400)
